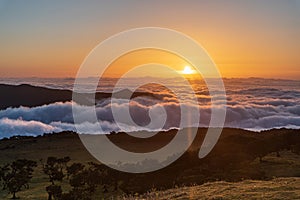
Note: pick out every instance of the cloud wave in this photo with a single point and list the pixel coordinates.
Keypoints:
(248, 108)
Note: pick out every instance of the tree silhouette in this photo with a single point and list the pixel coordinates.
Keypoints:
(16, 175)
(84, 180)
(54, 191)
(55, 168)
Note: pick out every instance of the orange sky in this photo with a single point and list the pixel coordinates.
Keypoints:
(249, 39)
(136, 58)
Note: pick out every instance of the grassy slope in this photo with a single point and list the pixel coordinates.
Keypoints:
(288, 165)
(279, 188)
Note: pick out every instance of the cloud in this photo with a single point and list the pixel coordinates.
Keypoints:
(10, 127)
(46, 113)
(256, 108)
(267, 92)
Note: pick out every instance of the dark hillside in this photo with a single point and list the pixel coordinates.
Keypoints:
(238, 155)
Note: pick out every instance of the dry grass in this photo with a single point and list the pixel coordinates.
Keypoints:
(278, 188)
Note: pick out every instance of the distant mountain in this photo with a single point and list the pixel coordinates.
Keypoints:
(31, 96)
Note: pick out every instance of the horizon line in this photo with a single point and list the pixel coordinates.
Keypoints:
(115, 77)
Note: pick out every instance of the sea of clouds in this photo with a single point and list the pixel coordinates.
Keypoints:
(259, 107)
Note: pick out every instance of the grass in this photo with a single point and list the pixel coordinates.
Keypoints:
(185, 171)
(288, 164)
(278, 188)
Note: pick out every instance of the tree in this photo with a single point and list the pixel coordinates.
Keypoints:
(54, 191)
(84, 180)
(55, 168)
(16, 175)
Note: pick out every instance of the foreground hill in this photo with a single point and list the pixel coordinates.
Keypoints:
(239, 155)
(278, 188)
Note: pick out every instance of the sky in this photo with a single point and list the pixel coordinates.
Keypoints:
(245, 38)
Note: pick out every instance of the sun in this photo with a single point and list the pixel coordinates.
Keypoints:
(188, 70)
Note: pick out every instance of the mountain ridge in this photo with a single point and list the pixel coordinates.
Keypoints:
(32, 96)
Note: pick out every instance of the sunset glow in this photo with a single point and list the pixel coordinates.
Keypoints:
(188, 70)
(241, 43)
